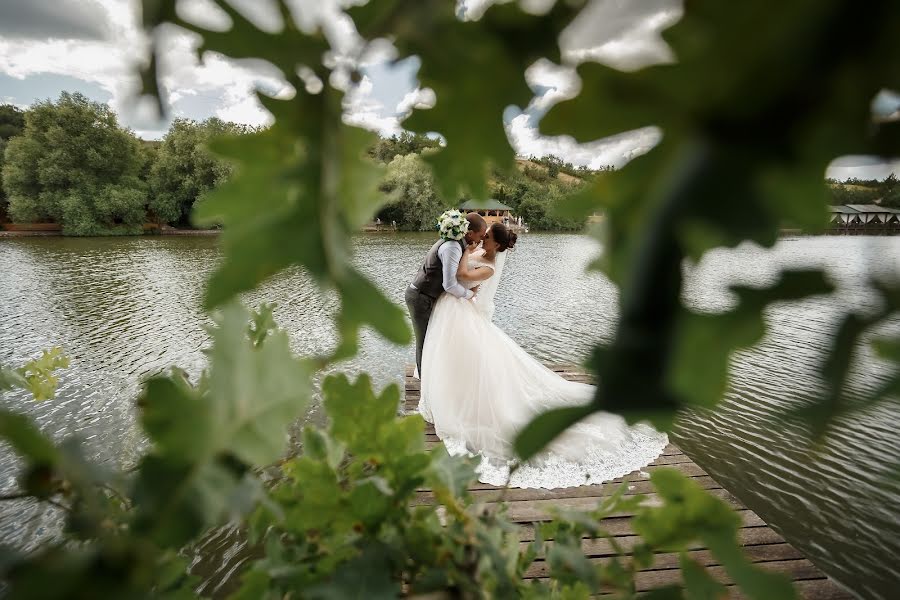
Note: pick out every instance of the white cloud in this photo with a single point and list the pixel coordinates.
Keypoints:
(419, 98)
(615, 151)
(862, 167)
(363, 110)
(621, 33)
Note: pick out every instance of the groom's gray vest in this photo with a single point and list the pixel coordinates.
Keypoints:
(430, 278)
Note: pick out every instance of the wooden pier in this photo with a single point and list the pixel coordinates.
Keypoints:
(761, 544)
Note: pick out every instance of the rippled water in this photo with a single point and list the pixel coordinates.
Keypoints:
(126, 308)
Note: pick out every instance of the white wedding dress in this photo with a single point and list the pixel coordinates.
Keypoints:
(479, 389)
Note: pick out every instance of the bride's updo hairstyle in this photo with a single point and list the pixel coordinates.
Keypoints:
(504, 237)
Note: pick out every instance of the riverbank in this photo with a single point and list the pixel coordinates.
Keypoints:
(16, 230)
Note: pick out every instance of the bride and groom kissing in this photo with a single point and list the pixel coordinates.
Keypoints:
(480, 388)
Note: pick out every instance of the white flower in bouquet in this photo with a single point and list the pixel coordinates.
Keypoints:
(453, 225)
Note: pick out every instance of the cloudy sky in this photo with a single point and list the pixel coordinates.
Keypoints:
(92, 46)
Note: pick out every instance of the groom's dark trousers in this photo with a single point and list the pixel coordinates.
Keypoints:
(420, 308)
(423, 292)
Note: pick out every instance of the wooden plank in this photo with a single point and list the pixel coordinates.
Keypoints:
(619, 526)
(808, 589)
(540, 510)
(747, 536)
(795, 569)
(667, 561)
(585, 491)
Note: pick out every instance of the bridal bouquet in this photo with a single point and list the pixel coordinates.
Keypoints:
(452, 225)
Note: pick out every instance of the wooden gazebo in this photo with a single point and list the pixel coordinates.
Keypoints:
(492, 210)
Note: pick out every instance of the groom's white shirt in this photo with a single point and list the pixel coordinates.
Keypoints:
(450, 256)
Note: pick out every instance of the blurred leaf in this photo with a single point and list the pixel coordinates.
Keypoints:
(838, 400)
(11, 379)
(38, 374)
(255, 586)
(27, 439)
(477, 70)
(451, 474)
(321, 446)
(175, 501)
(366, 577)
(698, 583)
(755, 582)
(687, 513)
(254, 395)
(664, 593)
(262, 323)
(309, 171)
(569, 564)
(545, 427)
(299, 168)
(705, 342)
(359, 418)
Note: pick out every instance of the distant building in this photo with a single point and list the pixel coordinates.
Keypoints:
(864, 219)
(492, 210)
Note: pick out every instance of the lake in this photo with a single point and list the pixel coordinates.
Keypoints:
(125, 308)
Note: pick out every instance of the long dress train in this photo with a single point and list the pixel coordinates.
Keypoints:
(480, 388)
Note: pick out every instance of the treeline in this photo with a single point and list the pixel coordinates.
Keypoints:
(866, 191)
(532, 190)
(70, 162)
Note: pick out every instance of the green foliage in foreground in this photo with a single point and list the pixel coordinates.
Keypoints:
(344, 519)
(753, 110)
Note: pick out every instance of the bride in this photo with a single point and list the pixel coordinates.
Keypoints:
(479, 389)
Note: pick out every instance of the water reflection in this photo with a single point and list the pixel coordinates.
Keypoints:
(126, 308)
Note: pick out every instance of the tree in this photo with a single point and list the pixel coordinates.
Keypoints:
(414, 202)
(184, 169)
(73, 164)
(12, 122)
(385, 149)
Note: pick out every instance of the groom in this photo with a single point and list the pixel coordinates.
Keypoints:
(438, 275)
